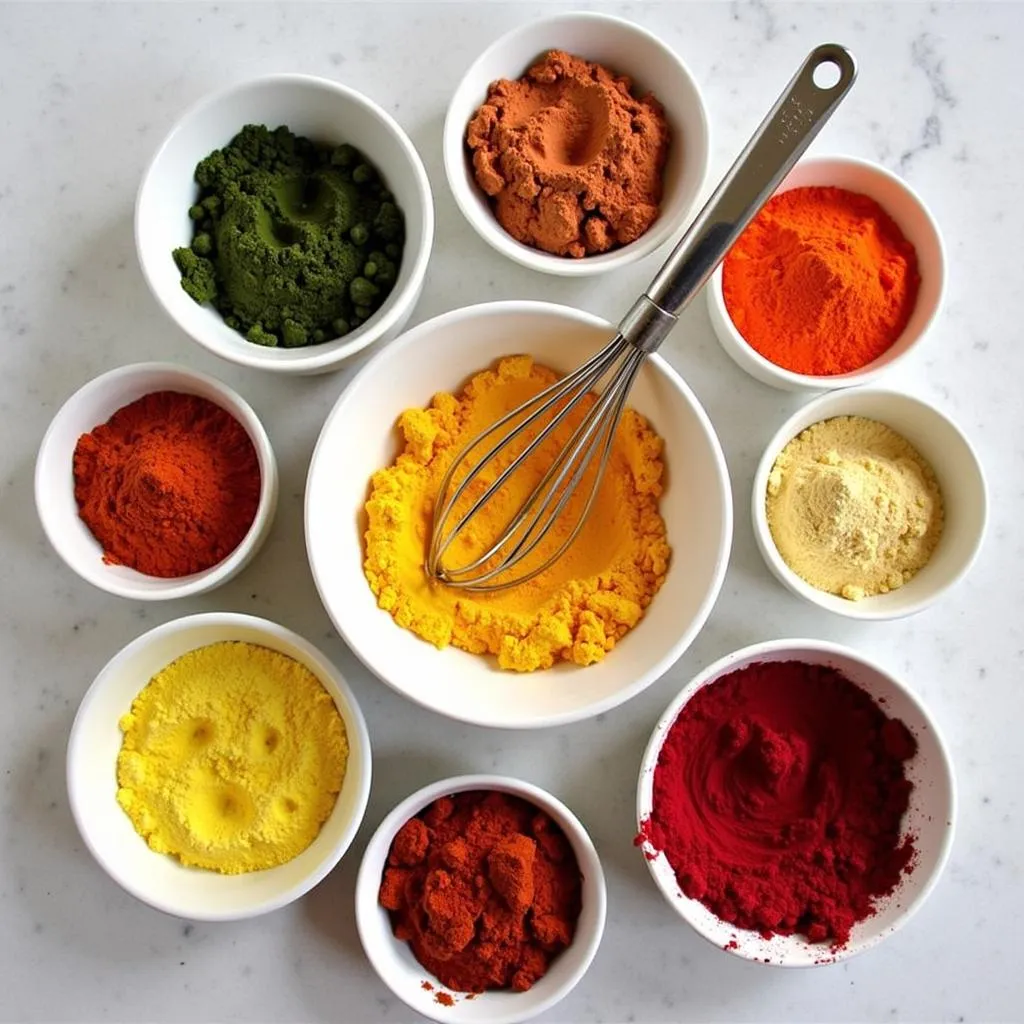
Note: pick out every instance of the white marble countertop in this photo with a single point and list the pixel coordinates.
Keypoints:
(88, 92)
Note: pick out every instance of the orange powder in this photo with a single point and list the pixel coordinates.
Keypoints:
(572, 160)
(822, 281)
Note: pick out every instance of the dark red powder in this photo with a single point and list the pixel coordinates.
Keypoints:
(486, 889)
(778, 797)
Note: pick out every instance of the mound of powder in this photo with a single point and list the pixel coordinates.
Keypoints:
(572, 160)
(233, 758)
(485, 888)
(853, 507)
(779, 798)
(577, 609)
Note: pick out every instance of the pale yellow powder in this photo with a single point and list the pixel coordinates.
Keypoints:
(853, 508)
(232, 759)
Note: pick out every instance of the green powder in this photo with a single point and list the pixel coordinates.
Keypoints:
(295, 243)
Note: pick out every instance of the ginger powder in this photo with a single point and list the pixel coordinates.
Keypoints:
(232, 759)
(853, 508)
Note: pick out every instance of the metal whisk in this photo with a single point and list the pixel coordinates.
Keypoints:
(782, 137)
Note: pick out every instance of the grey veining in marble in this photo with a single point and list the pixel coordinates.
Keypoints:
(86, 94)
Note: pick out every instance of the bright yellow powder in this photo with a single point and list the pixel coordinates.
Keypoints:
(578, 608)
(232, 759)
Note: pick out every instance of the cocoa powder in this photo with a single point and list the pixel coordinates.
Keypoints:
(572, 160)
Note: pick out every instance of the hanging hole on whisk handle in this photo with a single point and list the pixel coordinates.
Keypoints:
(832, 67)
(826, 75)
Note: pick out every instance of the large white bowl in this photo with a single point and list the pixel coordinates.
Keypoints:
(359, 438)
(159, 880)
(960, 478)
(401, 972)
(93, 404)
(319, 109)
(623, 47)
(929, 818)
(909, 212)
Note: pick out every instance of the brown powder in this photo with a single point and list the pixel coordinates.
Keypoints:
(571, 159)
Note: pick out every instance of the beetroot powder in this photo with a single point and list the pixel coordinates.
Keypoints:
(778, 797)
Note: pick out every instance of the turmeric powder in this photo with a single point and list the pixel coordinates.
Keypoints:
(578, 608)
(232, 759)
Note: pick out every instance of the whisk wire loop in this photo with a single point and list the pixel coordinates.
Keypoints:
(594, 434)
(613, 399)
(581, 381)
(540, 491)
(603, 441)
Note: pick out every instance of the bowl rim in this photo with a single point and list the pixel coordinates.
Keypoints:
(317, 360)
(352, 716)
(791, 380)
(589, 861)
(750, 654)
(660, 232)
(683, 641)
(860, 610)
(196, 583)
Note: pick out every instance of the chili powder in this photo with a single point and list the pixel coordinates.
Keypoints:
(822, 281)
(778, 798)
(486, 890)
(169, 485)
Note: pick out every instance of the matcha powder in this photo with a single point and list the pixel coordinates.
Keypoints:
(295, 243)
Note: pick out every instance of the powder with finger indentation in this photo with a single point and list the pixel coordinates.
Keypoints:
(295, 242)
(232, 759)
(571, 158)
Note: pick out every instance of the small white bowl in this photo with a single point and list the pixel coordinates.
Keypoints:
(160, 880)
(319, 109)
(94, 404)
(929, 818)
(440, 355)
(957, 469)
(625, 48)
(909, 212)
(393, 960)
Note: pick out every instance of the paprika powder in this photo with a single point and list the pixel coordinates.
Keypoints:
(169, 485)
(821, 282)
(778, 797)
(486, 890)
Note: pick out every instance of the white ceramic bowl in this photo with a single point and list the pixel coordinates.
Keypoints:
(160, 880)
(393, 959)
(440, 355)
(622, 47)
(960, 477)
(908, 210)
(314, 107)
(929, 818)
(94, 404)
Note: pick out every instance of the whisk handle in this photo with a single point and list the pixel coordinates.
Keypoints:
(780, 140)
